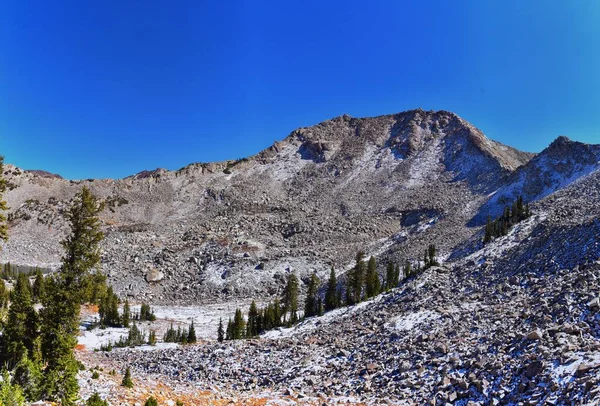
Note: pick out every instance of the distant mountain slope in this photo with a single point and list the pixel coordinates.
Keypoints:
(389, 185)
(560, 164)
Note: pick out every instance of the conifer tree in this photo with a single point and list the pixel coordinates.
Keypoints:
(320, 308)
(38, 286)
(290, 299)
(10, 394)
(126, 314)
(252, 325)
(489, 231)
(239, 325)
(28, 375)
(432, 255)
(397, 275)
(356, 280)
(151, 401)
(3, 205)
(230, 329)
(220, 331)
(277, 313)
(152, 338)
(21, 329)
(311, 304)
(372, 283)
(127, 381)
(64, 293)
(4, 295)
(191, 336)
(331, 295)
(407, 269)
(390, 276)
(96, 400)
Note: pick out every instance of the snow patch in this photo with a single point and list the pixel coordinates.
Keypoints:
(408, 322)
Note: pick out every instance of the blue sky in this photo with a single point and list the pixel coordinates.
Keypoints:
(106, 89)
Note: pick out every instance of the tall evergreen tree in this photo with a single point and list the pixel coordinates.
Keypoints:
(290, 299)
(372, 283)
(60, 314)
(3, 205)
(390, 276)
(356, 280)
(191, 336)
(252, 325)
(28, 375)
(220, 331)
(21, 328)
(431, 251)
(230, 328)
(331, 295)
(397, 275)
(277, 313)
(38, 286)
(311, 304)
(407, 269)
(127, 381)
(239, 325)
(126, 314)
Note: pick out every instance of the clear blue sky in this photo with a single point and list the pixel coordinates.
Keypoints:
(109, 88)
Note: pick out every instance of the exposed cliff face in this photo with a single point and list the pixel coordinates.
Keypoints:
(389, 185)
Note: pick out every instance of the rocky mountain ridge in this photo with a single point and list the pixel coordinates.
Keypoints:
(389, 185)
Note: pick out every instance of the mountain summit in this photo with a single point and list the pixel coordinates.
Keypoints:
(388, 185)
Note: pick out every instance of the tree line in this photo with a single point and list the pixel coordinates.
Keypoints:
(362, 283)
(510, 216)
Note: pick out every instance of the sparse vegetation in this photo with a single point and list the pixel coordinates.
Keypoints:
(511, 216)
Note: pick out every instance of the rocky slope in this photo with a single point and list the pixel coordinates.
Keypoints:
(514, 322)
(382, 184)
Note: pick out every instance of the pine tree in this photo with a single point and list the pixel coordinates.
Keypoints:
(38, 286)
(4, 295)
(396, 275)
(356, 280)
(96, 400)
(64, 293)
(3, 205)
(407, 269)
(489, 231)
(290, 299)
(28, 375)
(252, 325)
(311, 304)
(372, 283)
(239, 325)
(220, 331)
(390, 276)
(127, 381)
(277, 322)
(320, 308)
(21, 329)
(151, 401)
(10, 394)
(426, 259)
(126, 314)
(331, 294)
(431, 251)
(230, 329)
(191, 336)
(152, 338)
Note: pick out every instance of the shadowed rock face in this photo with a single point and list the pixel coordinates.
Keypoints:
(389, 185)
